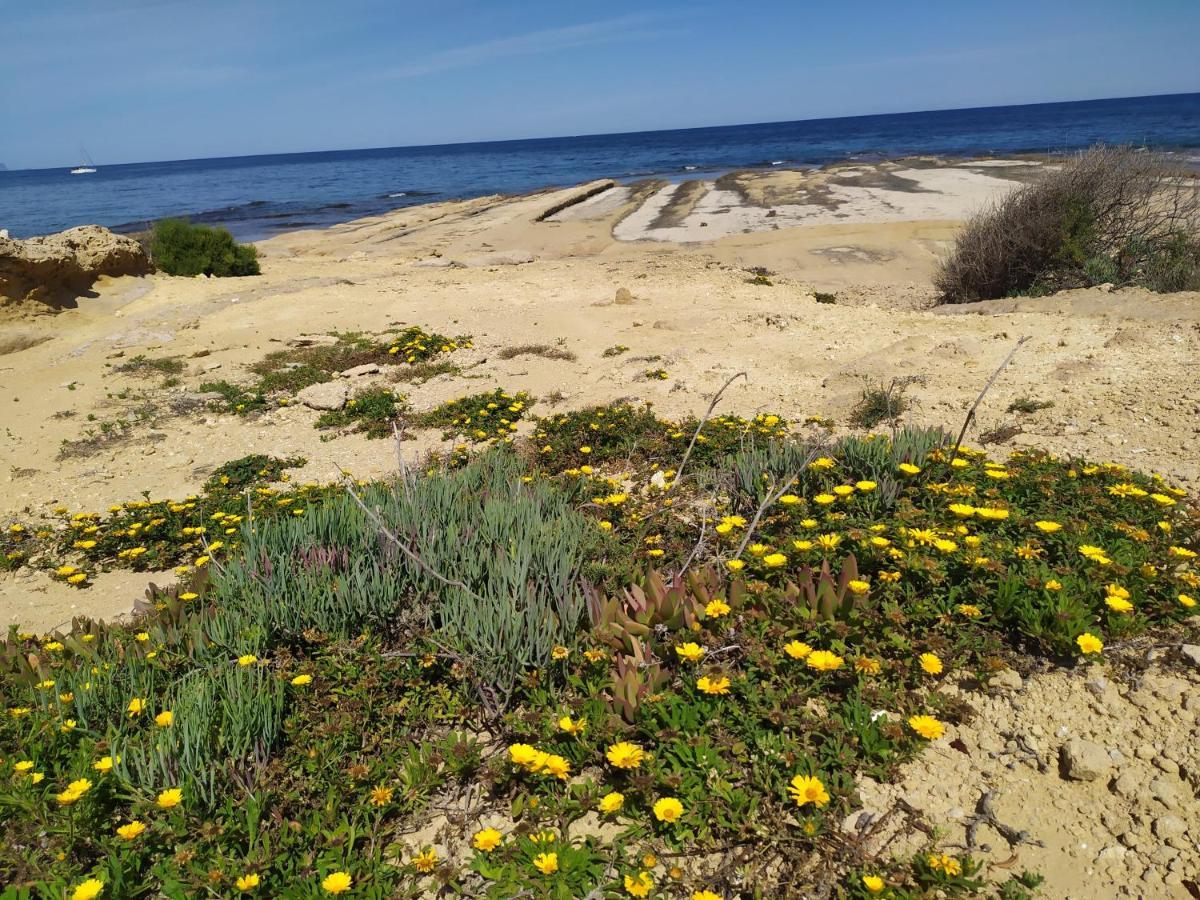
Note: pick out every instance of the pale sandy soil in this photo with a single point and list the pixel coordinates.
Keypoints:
(1119, 368)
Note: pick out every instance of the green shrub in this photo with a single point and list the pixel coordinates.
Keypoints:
(1107, 215)
(371, 411)
(180, 248)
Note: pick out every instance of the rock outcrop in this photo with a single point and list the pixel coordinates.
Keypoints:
(57, 269)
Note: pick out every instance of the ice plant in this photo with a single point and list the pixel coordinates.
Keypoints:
(797, 649)
(823, 661)
(170, 798)
(927, 727)
(718, 685)
(247, 882)
(612, 802)
(806, 789)
(88, 890)
(336, 882)
(931, 664)
(667, 809)
(1089, 643)
(131, 830)
(487, 840)
(625, 755)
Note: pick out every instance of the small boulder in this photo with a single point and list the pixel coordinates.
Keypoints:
(1167, 827)
(1006, 680)
(327, 395)
(1191, 654)
(1084, 761)
(623, 297)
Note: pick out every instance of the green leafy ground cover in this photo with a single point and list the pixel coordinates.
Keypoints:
(491, 679)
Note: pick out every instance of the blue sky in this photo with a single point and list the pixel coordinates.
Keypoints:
(142, 80)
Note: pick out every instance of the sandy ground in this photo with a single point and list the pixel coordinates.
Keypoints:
(1119, 368)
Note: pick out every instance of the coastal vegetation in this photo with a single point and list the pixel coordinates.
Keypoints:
(179, 248)
(620, 657)
(1109, 215)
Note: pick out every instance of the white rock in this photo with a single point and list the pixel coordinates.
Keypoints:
(364, 369)
(1084, 761)
(329, 395)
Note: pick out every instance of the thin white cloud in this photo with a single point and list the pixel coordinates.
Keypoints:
(547, 40)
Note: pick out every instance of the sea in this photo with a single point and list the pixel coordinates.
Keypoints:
(259, 196)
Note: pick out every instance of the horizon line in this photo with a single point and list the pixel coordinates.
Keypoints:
(561, 137)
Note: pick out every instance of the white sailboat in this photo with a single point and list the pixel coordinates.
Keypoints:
(88, 166)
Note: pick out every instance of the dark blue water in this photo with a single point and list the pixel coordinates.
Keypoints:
(256, 196)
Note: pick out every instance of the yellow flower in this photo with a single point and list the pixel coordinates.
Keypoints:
(708, 685)
(823, 462)
(969, 610)
(735, 565)
(962, 510)
(1053, 585)
(337, 882)
(105, 763)
(611, 802)
(88, 890)
(828, 541)
(1118, 604)
(868, 666)
(690, 652)
(136, 705)
(931, 663)
(993, 513)
(555, 766)
(425, 861)
(1047, 527)
(247, 882)
(546, 863)
(909, 469)
(824, 499)
(170, 798)
(716, 608)
(775, 560)
(705, 895)
(806, 789)
(823, 661)
(639, 886)
(873, 883)
(797, 649)
(927, 727)
(23, 765)
(858, 587)
(1181, 552)
(865, 486)
(301, 680)
(625, 755)
(247, 659)
(667, 809)
(1089, 643)
(571, 726)
(487, 840)
(165, 719)
(559, 653)
(131, 830)
(789, 499)
(380, 796)
(1186, 601)
(522, 755)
